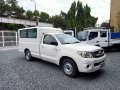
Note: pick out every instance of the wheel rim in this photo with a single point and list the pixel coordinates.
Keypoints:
(68, 68)
(27, 55)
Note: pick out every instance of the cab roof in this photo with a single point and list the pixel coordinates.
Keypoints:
(42, 28)
(97, 30)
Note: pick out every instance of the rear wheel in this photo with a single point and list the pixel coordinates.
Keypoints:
(69, 67)
(28, 55)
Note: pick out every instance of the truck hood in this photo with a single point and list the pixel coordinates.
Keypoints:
(83, 47)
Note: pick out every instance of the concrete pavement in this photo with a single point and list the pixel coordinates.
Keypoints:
(8, 48)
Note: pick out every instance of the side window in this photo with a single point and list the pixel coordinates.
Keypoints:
(103, 33)
(32, 33)
(28, 33)
(49, 39)
(93, 35)
(23, 34)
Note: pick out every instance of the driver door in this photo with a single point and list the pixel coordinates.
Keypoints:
(93, 38)
(48, 48)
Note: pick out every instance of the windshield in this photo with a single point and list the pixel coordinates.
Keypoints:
(66, 39)
(82, 36)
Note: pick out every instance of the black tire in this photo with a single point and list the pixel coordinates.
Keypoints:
(28, 55)
(69, 67)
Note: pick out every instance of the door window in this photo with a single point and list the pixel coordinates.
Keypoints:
(49, 39)
(103, 33)
(93, 35)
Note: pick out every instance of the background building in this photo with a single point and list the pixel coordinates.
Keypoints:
(115, 8)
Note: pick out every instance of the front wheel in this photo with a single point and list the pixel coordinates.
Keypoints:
(69, 67)
(28, 55)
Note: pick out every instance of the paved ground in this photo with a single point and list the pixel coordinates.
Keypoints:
(8, 48)
(18, 74)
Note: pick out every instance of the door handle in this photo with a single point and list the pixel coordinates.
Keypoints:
(106, 41)
(57, 49)
(97, 41)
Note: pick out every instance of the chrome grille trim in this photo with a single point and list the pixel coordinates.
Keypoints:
(97, 54)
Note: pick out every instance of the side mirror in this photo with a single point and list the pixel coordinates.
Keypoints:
(54, 43)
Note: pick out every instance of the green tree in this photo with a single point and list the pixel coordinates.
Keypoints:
(87, 16)
(70, 17)
(89, 21)
(63, 14)
(20, 13)
(2, 7)
(80, 16)
(11, 7)
(77, 16)
(13, 10)
(44, 17)
(105, 24)
(29, 15)
(36, 13)
(59, 22)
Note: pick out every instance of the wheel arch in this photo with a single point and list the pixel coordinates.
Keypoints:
(26, 50)
(65, 57)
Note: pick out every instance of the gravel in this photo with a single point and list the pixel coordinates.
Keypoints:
(18, 74)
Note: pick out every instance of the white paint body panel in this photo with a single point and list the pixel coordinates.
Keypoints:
(54, 53)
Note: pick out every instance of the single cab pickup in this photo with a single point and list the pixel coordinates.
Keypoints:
(52, 45)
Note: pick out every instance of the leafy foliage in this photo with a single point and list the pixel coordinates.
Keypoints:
(44, 17)
(29, 15)
(77, 16)
(59, 22)
(106, 25)
(2, 7)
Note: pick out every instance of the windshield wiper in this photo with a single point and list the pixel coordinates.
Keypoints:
(76, 42)
(67, 43)
(72, 43)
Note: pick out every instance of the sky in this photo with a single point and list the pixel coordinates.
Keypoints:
(99, 8)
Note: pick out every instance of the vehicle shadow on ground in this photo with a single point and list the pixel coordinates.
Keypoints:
(87, 76)
(91, 76)
(48, 64)
(108, 50)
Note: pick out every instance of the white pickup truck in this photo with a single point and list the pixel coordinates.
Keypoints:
(99, 37)
(52, 45)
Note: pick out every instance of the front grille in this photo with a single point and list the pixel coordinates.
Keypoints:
(96, 64)
(98, 54)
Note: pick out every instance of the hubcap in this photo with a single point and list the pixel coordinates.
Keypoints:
(27, 55)
(68, 68)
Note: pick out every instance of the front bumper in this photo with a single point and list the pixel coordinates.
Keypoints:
(91, 65)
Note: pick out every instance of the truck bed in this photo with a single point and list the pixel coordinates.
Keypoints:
(115, 41)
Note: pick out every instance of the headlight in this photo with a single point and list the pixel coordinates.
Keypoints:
(85, 54)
